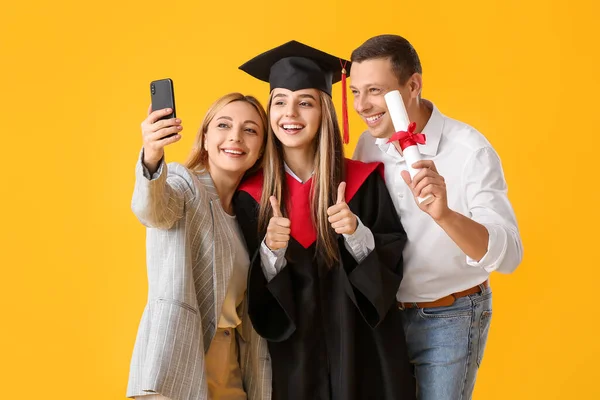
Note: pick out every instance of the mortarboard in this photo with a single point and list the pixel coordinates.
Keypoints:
(296, 66)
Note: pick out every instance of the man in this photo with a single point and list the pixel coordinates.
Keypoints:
(454, 242)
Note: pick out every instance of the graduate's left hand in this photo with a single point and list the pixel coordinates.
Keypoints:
(342, 220)
(429, 182)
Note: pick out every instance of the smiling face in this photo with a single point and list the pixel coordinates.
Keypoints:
(234, 138)
(370, 81)
(295, 117)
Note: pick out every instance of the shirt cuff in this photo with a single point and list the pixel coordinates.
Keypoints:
(496, 249)
(146, 171)
(271, 261)
(361, 243)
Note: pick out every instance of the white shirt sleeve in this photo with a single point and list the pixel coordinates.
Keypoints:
(488, 204)
(271, 261)
(360, 243)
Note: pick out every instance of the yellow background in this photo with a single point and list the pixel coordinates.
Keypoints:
(75, 89)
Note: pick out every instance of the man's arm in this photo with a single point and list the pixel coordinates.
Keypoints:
(489, 236)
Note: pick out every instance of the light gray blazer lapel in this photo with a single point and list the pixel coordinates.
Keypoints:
(222, 253)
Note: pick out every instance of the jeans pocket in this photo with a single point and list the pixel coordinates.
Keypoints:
(484, 327)
(482, 297)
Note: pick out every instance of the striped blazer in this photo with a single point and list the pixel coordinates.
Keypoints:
(189, 260)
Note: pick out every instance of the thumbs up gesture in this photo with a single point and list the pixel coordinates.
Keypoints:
(278, 231)
(342, 220)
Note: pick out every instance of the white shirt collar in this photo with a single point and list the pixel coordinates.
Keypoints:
(292, 174)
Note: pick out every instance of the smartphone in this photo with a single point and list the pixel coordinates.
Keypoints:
(163, 96)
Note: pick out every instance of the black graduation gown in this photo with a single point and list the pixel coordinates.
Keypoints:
(333, 333)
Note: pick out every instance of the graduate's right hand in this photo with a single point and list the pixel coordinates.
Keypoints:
(278, 231)
(154, 131)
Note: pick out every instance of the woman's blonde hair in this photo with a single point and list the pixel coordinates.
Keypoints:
(198, 158)
(329, 172)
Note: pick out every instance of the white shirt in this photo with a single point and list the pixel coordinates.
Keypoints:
(434, 266)
(236, 288)
(359, 245)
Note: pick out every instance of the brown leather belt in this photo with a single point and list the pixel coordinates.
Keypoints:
(446, 301)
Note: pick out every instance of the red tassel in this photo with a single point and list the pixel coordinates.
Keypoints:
(346, 125)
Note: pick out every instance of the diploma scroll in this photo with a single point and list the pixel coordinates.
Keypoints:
(402, 124)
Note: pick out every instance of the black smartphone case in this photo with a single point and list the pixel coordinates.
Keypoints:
(163, 96)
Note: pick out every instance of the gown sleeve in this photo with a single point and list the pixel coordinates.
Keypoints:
(271, 306)
(374, 282)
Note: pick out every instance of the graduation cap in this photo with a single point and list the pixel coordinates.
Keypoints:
(296, 66)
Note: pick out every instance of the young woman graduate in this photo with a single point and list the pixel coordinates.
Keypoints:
(327, 245)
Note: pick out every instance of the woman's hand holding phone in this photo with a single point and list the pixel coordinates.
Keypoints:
(154, 130)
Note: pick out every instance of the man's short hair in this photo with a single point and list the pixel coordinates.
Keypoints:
(402, 55)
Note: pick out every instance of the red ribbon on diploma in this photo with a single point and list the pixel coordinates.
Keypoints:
(408, 138)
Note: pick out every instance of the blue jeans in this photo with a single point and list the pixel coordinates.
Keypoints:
(446, 344)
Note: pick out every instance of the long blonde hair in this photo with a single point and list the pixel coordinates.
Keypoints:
(198, 158)
(329, 172)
